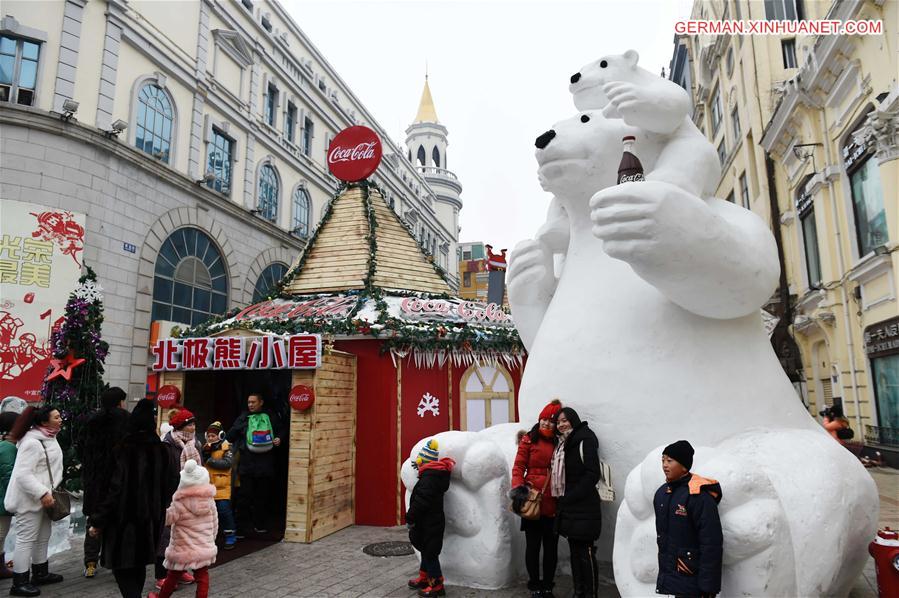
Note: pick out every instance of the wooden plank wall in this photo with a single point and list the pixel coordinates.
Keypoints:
(321, 471)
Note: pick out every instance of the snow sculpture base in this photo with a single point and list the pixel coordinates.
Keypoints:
(482, 546)
(767, 550)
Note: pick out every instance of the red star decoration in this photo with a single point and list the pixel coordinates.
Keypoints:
(63, 367)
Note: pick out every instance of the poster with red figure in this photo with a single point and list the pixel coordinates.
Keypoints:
(41, 252)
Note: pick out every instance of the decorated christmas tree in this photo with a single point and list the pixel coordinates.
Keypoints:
(74, 380)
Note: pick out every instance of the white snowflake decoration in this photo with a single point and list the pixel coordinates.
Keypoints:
(428, 403)
(89, 291)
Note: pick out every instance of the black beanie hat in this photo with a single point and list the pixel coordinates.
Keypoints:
(682, 452)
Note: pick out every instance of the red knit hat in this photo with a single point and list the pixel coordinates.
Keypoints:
(181, 418)
(550, 411)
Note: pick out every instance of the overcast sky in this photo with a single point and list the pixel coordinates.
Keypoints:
(499, 75)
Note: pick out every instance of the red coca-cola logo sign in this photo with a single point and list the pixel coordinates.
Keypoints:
(354, 154)
(168, 396)
(301, 397)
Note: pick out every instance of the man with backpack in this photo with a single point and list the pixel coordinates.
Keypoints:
(255, 433)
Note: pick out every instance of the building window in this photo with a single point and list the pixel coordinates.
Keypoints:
(730, 196)
(155, 118)
(221, 153)
(810, 244)
(18, 70)
(421, 155)
(867, 205)
(435, 157)
(781, 10)
(248, 4)
(729, 62)
(291, 122)
(788, 47)
(737, 15)
(722, 153)
(300, 219)
(270, 277)
(190, 282)
(466, 279)
(466, 255)
(885, 371)
(271, 104)
(744, 190)
(268, 193)
(307, 136)
(735, 123)
(717, 112)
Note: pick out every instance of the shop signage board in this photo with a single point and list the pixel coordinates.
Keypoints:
(450, 310)
(294, 352)
(40, 261)
(882, 338)
(354, 154)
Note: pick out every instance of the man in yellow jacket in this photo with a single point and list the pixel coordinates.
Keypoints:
(218, 459)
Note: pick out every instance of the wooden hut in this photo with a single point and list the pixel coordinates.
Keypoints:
(400, 358)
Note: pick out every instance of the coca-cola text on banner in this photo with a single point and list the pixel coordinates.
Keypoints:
(354, 154)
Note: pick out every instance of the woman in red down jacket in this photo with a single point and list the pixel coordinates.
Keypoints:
(532, 469)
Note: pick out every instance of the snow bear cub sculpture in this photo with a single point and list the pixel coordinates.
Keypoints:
(621, 89)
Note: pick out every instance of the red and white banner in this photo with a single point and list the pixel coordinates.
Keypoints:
(40, 262)
(296, 352)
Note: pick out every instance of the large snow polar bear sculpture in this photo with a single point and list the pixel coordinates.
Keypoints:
(651, 330)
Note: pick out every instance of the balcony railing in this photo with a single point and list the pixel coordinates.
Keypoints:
(882, 435)
(438, 172)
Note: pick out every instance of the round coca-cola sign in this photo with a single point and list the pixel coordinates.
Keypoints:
(301, 397)
(168, 396)
(354, 154)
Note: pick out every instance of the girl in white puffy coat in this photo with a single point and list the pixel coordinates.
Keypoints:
(37, 471)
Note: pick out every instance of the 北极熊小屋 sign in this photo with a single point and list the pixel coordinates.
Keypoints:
(295, 352)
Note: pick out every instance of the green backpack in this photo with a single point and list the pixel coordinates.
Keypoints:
(259, 433)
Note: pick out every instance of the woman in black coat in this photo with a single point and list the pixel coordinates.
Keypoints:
(575, 473)
(132, 514)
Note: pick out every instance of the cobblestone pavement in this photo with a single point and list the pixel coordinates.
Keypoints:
(336, 567)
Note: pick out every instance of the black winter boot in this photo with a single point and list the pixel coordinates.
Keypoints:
(21, 585)
(41, 576)
(577, 576)
(548, 590)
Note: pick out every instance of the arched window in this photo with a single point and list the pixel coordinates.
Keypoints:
(268, 193)
(421, 155)
(268, 279)
(191, 282)
(435, 156)
(300, 221)
(154, 122)
(488, 397)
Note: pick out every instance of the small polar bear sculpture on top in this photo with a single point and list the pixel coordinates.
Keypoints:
(621, 89)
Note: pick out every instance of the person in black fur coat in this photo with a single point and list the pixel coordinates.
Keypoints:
(425, 517)
(574, 475)
(131, 516)
(96, 448)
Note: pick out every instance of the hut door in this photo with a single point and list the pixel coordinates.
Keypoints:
(488, 397)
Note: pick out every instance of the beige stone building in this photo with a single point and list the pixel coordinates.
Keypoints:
(193, 134)
(806, 131)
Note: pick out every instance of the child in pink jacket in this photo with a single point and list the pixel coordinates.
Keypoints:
(194, 521)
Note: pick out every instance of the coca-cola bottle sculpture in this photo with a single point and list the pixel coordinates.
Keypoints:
(630, 168)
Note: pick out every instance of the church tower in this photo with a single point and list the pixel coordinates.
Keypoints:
(426, 141)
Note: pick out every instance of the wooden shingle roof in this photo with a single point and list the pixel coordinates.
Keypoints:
(338, 259)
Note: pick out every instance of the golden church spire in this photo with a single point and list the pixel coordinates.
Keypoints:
(426, 111)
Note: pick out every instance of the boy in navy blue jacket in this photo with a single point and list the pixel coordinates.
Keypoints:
(688, 528)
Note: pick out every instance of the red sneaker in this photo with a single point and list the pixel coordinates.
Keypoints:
(420, 582)
(186, 578)
(435, 588)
